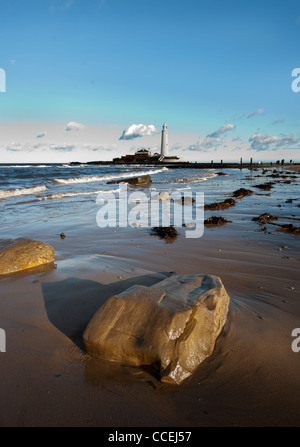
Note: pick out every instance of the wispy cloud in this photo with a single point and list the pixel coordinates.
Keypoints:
(138, 131)
(264, 142)
(221, 130)
(257, 112)
(62, 147)
(41, 135)
(40, 147)
(67, 4)
(205, 145)
(58, 5)
(280, 120)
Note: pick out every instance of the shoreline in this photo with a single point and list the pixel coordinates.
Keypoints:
(195, 165)
(252, 377)
(175, 165)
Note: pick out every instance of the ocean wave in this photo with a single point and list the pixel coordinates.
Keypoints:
(99, 178)
(63, 195)
(24, 166)
(205, 177)
(5, 194)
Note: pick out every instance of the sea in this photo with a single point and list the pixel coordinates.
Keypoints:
(33, 192)
(41, 192)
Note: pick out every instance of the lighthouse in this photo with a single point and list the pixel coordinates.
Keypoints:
(164, 141)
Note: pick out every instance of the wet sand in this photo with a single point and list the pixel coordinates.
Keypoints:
(253, 376)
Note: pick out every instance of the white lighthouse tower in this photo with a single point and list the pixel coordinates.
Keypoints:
(164, 141)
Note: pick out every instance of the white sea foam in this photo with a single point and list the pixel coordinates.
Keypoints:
(207, 176)
(99, 178)
(4, 194)
(63, 195)
(24, 166)
(14, 166)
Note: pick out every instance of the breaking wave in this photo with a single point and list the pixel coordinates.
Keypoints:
(4, 194)
(99, 178)
(63, 195)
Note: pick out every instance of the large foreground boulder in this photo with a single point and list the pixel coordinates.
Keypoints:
(172, 325)
(21, 254)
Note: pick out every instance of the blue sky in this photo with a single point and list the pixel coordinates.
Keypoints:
(219, 73)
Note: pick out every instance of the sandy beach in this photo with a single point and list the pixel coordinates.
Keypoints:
(252, 378)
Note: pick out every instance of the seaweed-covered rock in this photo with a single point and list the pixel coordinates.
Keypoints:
(220, 205)
(242, 192)
(265, 186)
(289, 228)
(167, 233)
(215, 220)
(264, 218)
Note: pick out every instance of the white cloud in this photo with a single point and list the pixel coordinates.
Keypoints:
(137, 131)
(83, 148)
(62, 147)
(221, 130)
(41, 135)
(280, 120)
(257, 112)
(263, 142)
(72, 125)
(205, 145)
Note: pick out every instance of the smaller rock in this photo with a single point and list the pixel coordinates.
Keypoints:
(187, 200)
(135, 181)
(23, 253)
